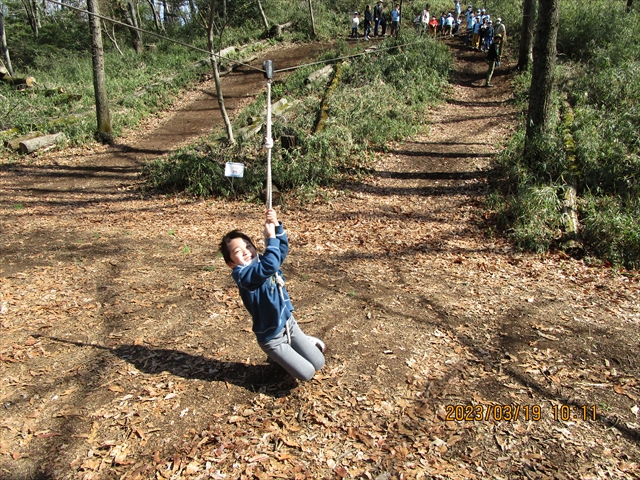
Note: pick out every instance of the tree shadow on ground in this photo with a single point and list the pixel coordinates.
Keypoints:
(448, 154)
(444, 320)
(437, 175)
(474, 103)
(269, 379)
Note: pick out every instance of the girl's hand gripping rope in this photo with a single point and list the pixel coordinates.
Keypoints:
(270, 225)
(272, 217)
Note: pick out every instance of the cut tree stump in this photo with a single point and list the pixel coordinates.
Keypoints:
(33, 144)
(289, 142)
(276, 30)
(26, 82)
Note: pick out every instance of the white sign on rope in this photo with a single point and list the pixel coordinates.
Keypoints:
(232, 169)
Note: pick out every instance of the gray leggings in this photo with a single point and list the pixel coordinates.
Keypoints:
(294, 351)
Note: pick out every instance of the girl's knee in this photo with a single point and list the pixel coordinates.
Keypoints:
(304, 374)
(318, 363)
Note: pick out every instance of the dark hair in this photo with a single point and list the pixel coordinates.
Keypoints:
(224, 244)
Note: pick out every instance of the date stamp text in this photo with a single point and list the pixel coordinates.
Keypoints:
(513, 413)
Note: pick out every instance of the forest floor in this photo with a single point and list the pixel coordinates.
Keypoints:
(126, 353)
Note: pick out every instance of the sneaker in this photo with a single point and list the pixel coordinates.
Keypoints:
(317, 342)
(489, 85)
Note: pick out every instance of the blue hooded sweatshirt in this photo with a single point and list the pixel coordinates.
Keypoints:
(269, 306)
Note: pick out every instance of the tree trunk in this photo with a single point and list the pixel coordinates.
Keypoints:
(313, 22)
(276, 30)
(105, 133)
(165, 12)
(324, 109)
(156, 17)
(216, 74)
(629, 5)
(31, 16)
(132, 19)
(265, 22)
(322, 74)
(540, 113)
(526, 38)
(193, 11)
(36, 13)
(5, 49)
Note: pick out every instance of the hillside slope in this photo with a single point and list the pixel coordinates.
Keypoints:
(125, 350)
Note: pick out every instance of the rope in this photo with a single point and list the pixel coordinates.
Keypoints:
(268, 144)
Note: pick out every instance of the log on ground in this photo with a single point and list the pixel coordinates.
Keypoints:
(33, 144)
(14, 144)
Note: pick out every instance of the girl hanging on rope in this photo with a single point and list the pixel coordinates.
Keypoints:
(265, 296)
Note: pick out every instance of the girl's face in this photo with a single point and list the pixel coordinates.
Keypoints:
(240, 252)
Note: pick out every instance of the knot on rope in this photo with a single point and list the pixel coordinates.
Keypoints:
(268, 142)
(279, 280)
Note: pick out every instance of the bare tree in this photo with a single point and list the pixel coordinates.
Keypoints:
(105, 133)
(165, 12)
(313, 23)
(156, 17)
(112, 36)
(216, 73)
(540, 113)
(525, 57)
(36, 12)
(132, 19)
(31, 8)
(265, 22)
(5, 49)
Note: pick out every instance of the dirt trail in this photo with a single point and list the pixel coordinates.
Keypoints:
(125, 350)
(101, 168)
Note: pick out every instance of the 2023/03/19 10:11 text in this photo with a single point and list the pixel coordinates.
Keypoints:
(512, 413)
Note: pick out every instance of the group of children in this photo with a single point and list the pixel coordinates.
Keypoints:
(376, 19)
(481, 29)
(483, 35)
(447, 25)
